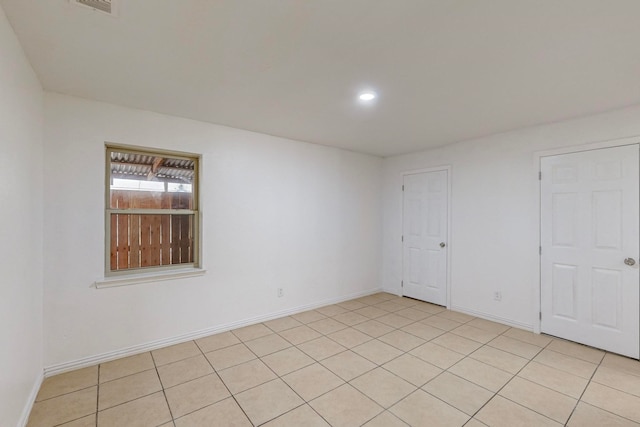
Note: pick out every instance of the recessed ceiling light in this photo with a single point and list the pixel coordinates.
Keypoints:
(367, 96)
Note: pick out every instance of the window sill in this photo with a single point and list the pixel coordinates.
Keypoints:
(134, 279)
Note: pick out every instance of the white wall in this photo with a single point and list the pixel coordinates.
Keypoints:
(494, 231)
(20, 229)
(277, 213)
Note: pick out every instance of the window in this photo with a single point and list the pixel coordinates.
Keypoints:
(151, 210)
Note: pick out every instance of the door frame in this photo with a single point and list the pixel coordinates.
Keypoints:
(448, 169)
(537, 217)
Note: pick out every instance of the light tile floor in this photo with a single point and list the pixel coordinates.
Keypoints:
(379, 360)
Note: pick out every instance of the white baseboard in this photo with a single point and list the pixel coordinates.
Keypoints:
(154, 345)
(26, 411)
(476, 313)
(394, 291)
(487, 316)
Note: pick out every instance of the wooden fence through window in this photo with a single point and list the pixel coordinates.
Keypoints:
(151, 240)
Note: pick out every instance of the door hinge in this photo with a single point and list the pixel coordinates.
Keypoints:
(402, 187)
(540, 250)
(402, 238)
(540, 315)
(539, 176)
(402, 283)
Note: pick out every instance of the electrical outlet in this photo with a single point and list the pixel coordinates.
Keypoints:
(497, 296)
(280, 292)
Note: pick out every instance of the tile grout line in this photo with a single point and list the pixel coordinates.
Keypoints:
(305, 402)
(225, 386)
(153, 359)
(465, 379)
(98, 394)
(612, 413)
(259, 358)
(319, 363)
(497, 393)
(315, 361)
(394, 329)
(587, 386)
(380, 366)
(408, 352)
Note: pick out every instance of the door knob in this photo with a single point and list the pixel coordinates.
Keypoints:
(630, 261)
(442, 245)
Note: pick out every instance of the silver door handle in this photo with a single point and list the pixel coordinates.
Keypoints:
(442, 244)
(630, 261)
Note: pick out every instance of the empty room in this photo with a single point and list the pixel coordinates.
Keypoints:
(273, 213)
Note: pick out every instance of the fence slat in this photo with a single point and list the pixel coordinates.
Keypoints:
(114, 242)
(165, 238)
(123, 233)
(145, 241)
(134, 240)
(185, 255)
(154, 257)
(175, 239)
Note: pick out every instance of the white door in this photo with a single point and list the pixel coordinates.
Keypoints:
(425, 236)
(589, 235)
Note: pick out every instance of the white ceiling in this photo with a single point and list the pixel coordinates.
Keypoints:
(445, 70)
